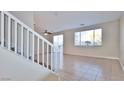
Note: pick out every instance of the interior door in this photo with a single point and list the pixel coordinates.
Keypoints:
(58, 44)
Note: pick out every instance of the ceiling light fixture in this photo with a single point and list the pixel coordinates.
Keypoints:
(81, 24)
(47, 33)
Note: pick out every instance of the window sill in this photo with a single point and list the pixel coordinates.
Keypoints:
(87, 46)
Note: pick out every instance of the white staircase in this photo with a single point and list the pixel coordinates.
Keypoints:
(20, 39)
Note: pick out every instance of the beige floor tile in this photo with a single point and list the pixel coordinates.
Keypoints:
(90, 75)
(88, 68)
(117, 78)
(117, 70)
(102, 77)
(68, 77)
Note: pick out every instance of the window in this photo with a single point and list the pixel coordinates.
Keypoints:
(89, 38)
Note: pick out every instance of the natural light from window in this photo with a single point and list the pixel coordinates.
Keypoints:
(89, 38)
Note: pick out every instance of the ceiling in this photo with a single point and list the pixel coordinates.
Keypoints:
(59, 21)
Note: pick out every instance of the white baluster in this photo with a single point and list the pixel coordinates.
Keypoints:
(9, 33)
(47, 56)
(43, 52)
(56, 59)
(32, 47)
(2, 29)
(38, 50)
(21, 40)
(27, 44)
(15, 37)
(51, 57)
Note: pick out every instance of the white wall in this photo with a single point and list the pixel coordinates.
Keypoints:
(109, 49)
(15, 67)
(25, 16)
(122, 41)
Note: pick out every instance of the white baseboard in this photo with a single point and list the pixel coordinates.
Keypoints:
(116, 58)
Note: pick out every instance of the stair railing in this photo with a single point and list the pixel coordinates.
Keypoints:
(22, 40)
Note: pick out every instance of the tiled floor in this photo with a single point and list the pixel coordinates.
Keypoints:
(77, 68)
